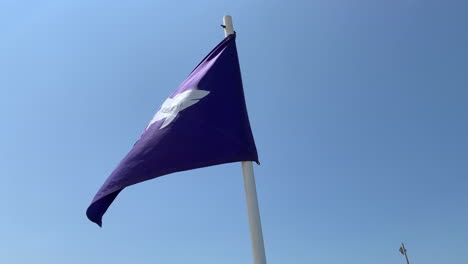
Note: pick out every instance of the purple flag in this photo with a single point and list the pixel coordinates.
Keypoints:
(203, 123)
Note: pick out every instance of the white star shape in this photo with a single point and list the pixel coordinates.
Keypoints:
(172, 106)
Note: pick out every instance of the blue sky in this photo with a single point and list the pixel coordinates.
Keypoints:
(359, 111)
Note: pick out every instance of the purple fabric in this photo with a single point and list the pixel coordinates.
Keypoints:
(212, 128)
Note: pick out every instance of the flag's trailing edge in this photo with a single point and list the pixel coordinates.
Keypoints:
(203, 123)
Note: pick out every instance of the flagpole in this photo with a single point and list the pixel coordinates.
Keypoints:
(256, 234)
(404, 250)
(254, 213)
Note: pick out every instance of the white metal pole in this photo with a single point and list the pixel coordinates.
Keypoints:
(256, 234)
(227, 25)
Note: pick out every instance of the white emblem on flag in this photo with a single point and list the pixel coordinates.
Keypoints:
(172, 106)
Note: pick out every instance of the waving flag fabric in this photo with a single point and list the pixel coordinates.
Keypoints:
(402, 250)
(203, 123)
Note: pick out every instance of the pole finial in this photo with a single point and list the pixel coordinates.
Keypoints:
(227, 25)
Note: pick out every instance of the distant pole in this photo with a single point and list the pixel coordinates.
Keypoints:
(403, 251)
(256, 234)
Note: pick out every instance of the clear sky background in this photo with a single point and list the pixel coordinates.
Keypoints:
(359, 110)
